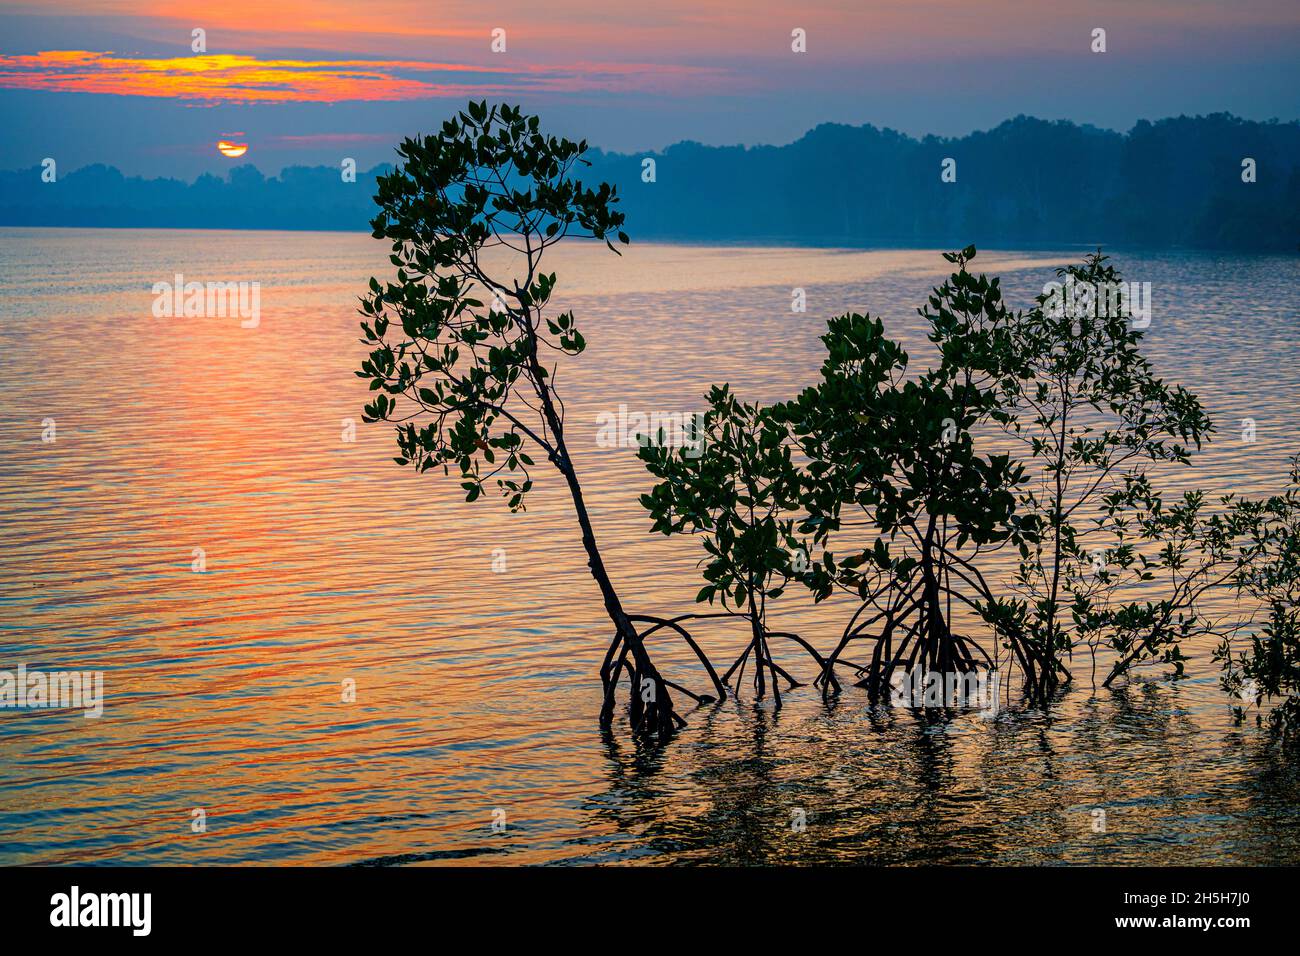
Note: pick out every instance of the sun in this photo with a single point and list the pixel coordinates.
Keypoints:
(232, 149)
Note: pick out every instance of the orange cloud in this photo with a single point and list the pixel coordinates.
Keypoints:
(231, 78)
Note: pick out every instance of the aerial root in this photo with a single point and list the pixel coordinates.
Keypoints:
(912, 635)
(650, 704)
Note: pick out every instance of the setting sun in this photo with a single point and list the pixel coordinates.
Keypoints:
(230, 149)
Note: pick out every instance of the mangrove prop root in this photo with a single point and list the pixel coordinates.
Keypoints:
(650, 704)
(650, 707)
(758, 646)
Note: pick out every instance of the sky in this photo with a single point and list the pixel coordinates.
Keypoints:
(306, 83)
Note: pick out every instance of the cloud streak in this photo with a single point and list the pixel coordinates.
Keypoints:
(238, 78)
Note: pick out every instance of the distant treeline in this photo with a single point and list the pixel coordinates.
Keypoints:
(1175, 182)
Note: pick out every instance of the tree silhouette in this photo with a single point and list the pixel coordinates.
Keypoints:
(464, 341)
(740, 495)
(1269, 667)
(900, 456)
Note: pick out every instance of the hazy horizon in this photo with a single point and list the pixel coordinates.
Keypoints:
(269, 169)
(837, 185)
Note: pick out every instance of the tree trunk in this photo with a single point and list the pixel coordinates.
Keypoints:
(651, 709)
(651, 705)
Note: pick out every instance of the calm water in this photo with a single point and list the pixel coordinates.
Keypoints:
(477, 691)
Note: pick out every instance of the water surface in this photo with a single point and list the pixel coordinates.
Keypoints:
(477, 691)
